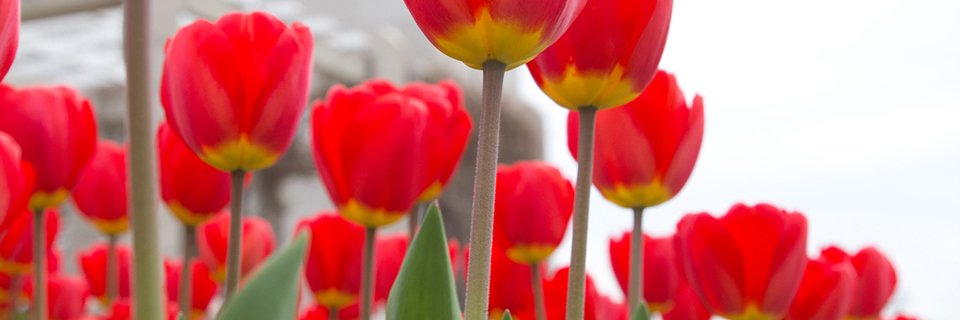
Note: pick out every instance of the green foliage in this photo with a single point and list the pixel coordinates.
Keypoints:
(642, 313)
(507, 316)
(273, 291)
(425, 288)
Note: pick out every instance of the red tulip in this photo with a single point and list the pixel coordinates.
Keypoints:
(510, 285)
(256, 246)
(192, 189)
(332, 265)
(555, 291)
(122, 309)
(531, 193)
(16, 181)
(607, 309)
(234, 90)
(9, 33)
(826, 292)
(67, 296)
(687, 305)
(661, 276)
(646, 149)
(101, 194)
(57, 132)
(747, 264)
(319, 312)
(876, 280)
(93, 262)
(608, 55)
(389, 257)
(16, 242)
(509, 31)
(202, 287)
(379, 149)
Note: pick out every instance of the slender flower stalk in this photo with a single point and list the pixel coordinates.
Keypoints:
(39, 266)
(581, 206)
(484, 193)
(112, 274)
(635, 284)
(537, 280)
(189, 233)
(236, 232)
(366, 282)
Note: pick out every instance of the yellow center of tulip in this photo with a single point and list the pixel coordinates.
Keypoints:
(240, 154)
(752, 313)
(333, 298)
(12, 267)
(529, 253)
(432, 192)
(185, 215)
(575, 89)
(112, 226)
(660, 307)
(367, 216)
(486, 39)
(42, 200)
(639, 195)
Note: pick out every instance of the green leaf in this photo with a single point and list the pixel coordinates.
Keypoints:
(507, 316)
(642, 313)
(425, 288)
(273, 291)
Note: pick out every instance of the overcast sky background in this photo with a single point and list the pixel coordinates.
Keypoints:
(844, 110)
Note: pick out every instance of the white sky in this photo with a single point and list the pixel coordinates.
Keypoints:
(844, 110)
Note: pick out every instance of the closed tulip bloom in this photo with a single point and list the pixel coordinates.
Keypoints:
(202, 287)
(16, 181)
(234, 90)
(826, 292)
(256, 246)
(93, 263)
(646, 149)
(377, 147)
(531, 193)
(509, 31)
(608, 56)
(57, 133)
(746, 265)
(101, 194)
(9, 33)
(876, 281)
(661, 276)
(16, 242)
(332, 265)
(192, 189)
(686, 305)
(68, 297)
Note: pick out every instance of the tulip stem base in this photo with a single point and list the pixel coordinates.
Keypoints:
(581, 211)
(484, 193)
(635, 282)
(366, 283)
(189, 233)
(236, 233)
(111, 268)
(39, 267)
(537, 281)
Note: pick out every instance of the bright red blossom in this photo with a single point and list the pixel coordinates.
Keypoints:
(101, 193)
(93, 263)
(531, 193)
(661, 276)
(202, 288)
(256, 245)
(555, 292)
(686, 305)
(319, 312)
(876, 281)
(67, 296)
(234, 90)
(389, 257)
(334, 256)
(826, 292)
(16, 181)
(16, 242)
(192, 189)
(9, 33)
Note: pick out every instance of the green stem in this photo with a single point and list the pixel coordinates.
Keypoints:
(366, 284)
(111, 275)
(185, 282)
(484, 193)
(39, 267)
(635, 282)
(334, 314)
(236, 233)
(537, 281)
(581, 206)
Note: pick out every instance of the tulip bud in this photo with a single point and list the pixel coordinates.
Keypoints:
(101, 194)
(93, 262)
(256, 246)
(192, 189)
(334, 255)
(661, 276)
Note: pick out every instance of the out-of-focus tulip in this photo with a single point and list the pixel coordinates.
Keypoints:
(319, 312)
(646, 149)
(379, 149)
(876, 280)
(16, 241)
(555, 292)
(101, 193)
(389, 257)
(67, 296)
(509, 31)
(510, 285)
(93, 262)
(9, 33)
(256, 246)
(661, 276)
(607, 309)
(903, 317)
(826, 292)
(57, 132)
(192, 189)
(687, 305)
(234, 90)
(16, 180)
(747, 264)
(202, 287)
(608, 56)
(332, 265)
(531, 193)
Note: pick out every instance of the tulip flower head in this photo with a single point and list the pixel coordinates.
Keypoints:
(101, 194)
(608, 56)
(93, 262)
(67, 296)
(509, 285)
(876, 281)
(380, 149)
(746, 265)
(661, 276)
(57, 133)
(192, 189)
(16, 181)
(509, 31)
(256, 246)
(555, 297)
(202, 287)
(9, 33)
(16, 242)
(687, 305)
(234, 90)
(332, 265)
(827, 290)
(646, 149)
(531, 193)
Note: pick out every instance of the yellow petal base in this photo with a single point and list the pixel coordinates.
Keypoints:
(239, 155)
(575, 89)
(112, 226)
(333, 298)
(637, 195)
(491, 40)
(186, 216)
(529, 253)
(12, 268)
(432, 192)
(752, 313)
(42, 200)
(367, 216)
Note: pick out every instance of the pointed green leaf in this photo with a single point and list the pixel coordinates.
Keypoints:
(507, 316)
(273, 291)
(642, 313)
(425, 288)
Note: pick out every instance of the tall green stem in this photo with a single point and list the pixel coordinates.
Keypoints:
(111, 275)
(484, 192)
(185, 283)
(581, 211)
(366, 284)
(537, 281)
(39, 266)
(236, 233)
(635, 282)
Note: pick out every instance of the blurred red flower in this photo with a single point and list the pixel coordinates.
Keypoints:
(876, 281)
(9, 33)
(826, 292)
(101, 193)
(661, 276)
(256, 246)
(202, 288)
(93, 262)
(16, 181)
(332, 264)
(16, 242)
(531, 193)
(192, 189)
